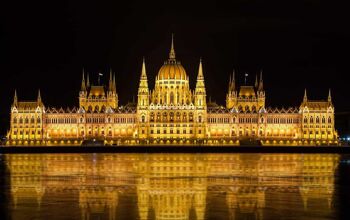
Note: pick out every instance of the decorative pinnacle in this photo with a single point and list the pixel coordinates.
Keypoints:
(15, 98)
(329, 96)
(172, 50)
(39, 96)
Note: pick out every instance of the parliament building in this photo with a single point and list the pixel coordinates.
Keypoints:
(172, 114)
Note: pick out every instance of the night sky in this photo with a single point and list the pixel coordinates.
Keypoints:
(297, 44)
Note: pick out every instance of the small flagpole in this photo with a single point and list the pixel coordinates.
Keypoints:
(99, 78)
(245, 78)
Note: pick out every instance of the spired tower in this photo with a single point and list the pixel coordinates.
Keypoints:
(231, 97)
(98, 97)
(143, 104)
(249, 98)
(27, 121)
(200, 103)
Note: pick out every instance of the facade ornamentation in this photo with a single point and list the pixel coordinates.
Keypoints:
(172, 113)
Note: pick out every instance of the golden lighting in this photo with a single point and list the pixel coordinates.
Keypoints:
(161, 183)
(171, 112)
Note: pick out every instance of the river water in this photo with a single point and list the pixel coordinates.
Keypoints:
(174, 186)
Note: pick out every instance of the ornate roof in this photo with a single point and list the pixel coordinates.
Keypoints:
(247, 91)
(97, 91)
(121, 109)
(317, 104)
(290, 110)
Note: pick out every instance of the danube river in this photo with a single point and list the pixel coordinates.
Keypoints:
(174, 186)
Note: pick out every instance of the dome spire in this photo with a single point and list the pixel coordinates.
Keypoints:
(172, 50)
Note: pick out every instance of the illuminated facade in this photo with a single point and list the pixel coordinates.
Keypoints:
(171, 186)
(172, 113)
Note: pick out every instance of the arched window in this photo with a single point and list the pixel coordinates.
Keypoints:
(38, 120)
(32, 120)
(171, 116)
(261, 120)
(323, 120)
(171, 98)
(15, 120)
(329, 120)
(184, 117)
(191, 117)
(178, 116)
(311, 120)
(26, 121)
(143, 119)
(152, 117)
(317, 119)
(199, 118)
(305, 120)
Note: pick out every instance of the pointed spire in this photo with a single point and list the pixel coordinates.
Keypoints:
(172, 50)
(88, 80)
(329, 96)
(256, 81)
(110, 86)
(200, 70)
(83, 85)
(15, 99)
(39, 96)
(143, 71)
(261, 82)
(114, 84)
(143, 86)
(233, 83)
(305, 96)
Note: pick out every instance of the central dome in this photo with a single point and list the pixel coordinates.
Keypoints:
(171, 68)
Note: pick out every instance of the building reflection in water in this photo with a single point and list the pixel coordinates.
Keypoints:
(168, 186)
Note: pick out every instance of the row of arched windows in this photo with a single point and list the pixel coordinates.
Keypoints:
(172, 117)
(26, 120)
(317, 120)
(61, 120)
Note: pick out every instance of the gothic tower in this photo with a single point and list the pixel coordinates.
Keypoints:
(83, 91)
(260, 92)
(231, 97)
(143, 103)
(200, 103)
(112, 96)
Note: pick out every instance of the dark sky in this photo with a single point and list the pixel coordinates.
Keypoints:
(298, 44)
